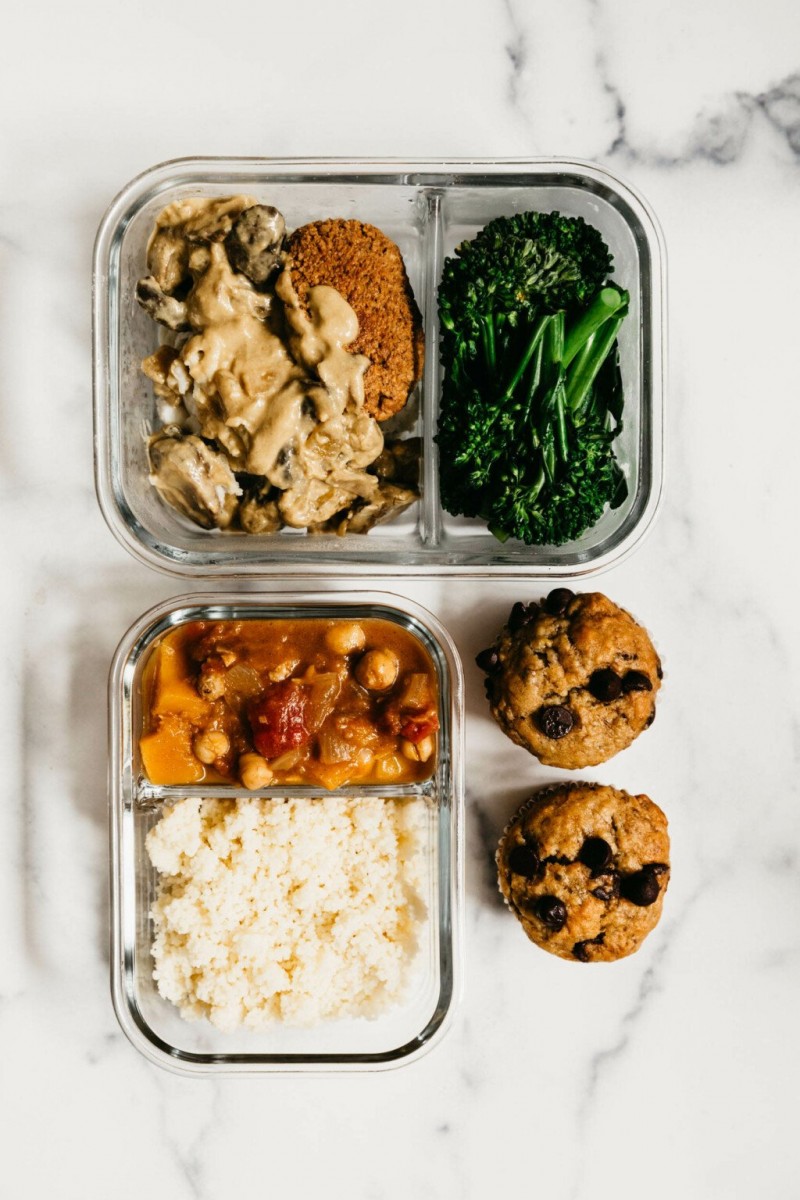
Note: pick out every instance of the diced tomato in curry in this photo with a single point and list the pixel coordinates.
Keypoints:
(286, 694)
(279, 718)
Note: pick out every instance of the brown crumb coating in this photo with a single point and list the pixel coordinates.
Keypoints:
(366, 267)
(584, 868)
(548, 674)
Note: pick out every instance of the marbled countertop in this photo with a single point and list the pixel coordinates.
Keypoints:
(671, 1074)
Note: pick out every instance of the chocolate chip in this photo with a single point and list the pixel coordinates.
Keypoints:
(554, 720)
(609, 887)
(488, 660)
(556, 602)
(552, 912)
(658, 868)
(524, 861)
(659, 670)
(650, 719)
(520, 615)
(580, 949)
(636, 681)
(595, 853)
(605, 684)
(641, 888)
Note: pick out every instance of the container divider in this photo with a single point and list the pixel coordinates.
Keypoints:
(149, 795)
(431, 523)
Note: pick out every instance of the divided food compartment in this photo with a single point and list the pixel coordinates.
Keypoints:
(400, 1034)
(427, 208)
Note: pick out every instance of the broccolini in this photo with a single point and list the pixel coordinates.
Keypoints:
(532, 395)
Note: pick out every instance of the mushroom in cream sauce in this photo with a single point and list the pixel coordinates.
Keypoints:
(194, 479)
(254, 242)
(262, 401)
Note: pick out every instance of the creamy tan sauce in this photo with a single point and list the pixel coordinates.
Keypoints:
(268, 380)
(287, 428)
(178, 225)
(279, 391)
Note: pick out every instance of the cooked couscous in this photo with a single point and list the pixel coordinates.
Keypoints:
(287, 910)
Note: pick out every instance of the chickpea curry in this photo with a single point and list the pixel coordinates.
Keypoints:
(301, 701)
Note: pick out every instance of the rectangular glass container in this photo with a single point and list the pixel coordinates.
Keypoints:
(401, 1034)
(428, 208)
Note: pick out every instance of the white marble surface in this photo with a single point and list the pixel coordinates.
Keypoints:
(671, 1074)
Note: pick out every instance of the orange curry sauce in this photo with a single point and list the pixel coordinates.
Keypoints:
(308, 701)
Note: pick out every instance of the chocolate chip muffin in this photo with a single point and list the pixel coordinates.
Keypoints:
(573, 679)
(584, 868)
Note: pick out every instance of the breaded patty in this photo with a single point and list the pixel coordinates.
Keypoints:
(366, 268)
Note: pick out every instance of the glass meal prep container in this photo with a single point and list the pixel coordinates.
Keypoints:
(400, 1033)
(428, 208)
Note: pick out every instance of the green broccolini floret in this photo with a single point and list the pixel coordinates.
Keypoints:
(531, 260)
(532, 395)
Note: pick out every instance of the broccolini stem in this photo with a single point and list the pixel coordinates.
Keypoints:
(542, 399)
(538, 484)
(487, 332)
(523, 421)
(561, 421)
(536, 372)
(549, 456)
(536, 337)
(580, 358)
(555, 338)
(579, 382)
(607, 302)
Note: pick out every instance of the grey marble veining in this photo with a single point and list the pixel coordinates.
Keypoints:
(673, 1073)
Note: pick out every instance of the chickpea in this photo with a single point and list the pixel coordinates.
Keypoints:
(211, 745)
(426, 747)
(345, 637)
(388, 768)
(378, 670)
(418, 751)
(254, 772)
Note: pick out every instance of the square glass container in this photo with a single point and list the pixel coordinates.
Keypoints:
(154, 1026)
(428, 208)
